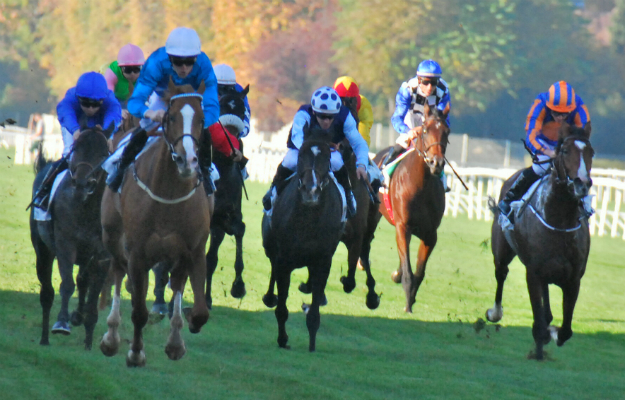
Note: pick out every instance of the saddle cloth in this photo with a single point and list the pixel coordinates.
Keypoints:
(41, 215)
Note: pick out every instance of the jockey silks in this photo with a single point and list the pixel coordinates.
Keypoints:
(70, 113)
(409, 104)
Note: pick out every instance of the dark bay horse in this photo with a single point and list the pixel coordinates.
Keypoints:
(418, 200)
(550, 237)
(161, 215)
(73, 236)
(304, 230)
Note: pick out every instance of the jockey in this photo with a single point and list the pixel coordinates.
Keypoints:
(326, 112)
(550, 109)
(123, 72)
(411, 97)
(182, 61)
(88, 104)
(227, 82)
(361, 110)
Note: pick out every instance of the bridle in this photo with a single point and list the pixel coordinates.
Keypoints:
(92, 168)
(171, 145)
(324, 181)
(423, 153)
(562, 175)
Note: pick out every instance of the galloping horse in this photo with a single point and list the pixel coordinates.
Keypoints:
(161, 215)
(304, 230)
(550, 237)
(73, 236)
(418, 200)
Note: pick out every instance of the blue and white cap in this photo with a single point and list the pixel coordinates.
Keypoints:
(325, 100)
(429, 69)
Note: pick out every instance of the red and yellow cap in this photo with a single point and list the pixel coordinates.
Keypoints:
(346, 86)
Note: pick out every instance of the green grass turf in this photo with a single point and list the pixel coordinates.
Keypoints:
(361, 354)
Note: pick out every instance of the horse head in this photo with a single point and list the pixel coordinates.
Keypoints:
(434, 138)
(232, 110)
(90, 150)
(182, 126)
(313, 165)
(573, 159)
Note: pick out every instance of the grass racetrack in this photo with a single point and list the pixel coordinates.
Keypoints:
(437, 352)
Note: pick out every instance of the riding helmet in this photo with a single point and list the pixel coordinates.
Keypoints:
(561, 97)
(130, 55)
(325, 100)
(429, 69)
(183, 42)
(91, 85)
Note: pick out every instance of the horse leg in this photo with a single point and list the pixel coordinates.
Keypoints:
(159, 306)
(45, 260)
(547, 304)
(319, 278)
(238, 286)
(105, 294)
(175, 348)
(82, 284)
(425, 250)
(570, 291)
(282, 313)
(403, 237)
(373, 299)
(502, 257)
(212, 257)
(269, 298)
(353, 254)
(98, 274)
(199, 313)
(539, 328)
(65, 260)
(109, 345)
(138, 275)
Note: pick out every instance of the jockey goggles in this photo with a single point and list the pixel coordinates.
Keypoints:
(556, 114)
(90, 103)
(325, 116)
(180, 61)
(428, 81)
(133, 69)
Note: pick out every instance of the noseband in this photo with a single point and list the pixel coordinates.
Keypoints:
(559, 165)
(424, 153)
(171, 145)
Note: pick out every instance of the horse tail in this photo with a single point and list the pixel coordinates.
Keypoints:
(492, 204)
(40, 161)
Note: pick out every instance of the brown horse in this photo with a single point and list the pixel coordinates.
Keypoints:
(550, 236)
(161, 215)
(418, 200)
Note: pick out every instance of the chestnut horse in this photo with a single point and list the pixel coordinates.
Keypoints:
(418, 199)
(550, 236)
(161, 215)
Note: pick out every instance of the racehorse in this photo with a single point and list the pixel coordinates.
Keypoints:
(550, 237)
(73, 236)
(303, 230)
(161, 215)
(356, 237)
(417, 197)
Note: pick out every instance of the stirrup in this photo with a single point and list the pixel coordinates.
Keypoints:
(267, 199)
(351, 203)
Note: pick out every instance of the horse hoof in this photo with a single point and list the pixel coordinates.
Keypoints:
(324, 301)
(373, 301)
(396, 277)
(494, 314)
(109, 349)
(304, 288)
(159, 309)
(135, 359)
(76, 318)
(270, 300)
(238, 289)
(175, 353)
(61, 327)
(348, 284)
(408, 310)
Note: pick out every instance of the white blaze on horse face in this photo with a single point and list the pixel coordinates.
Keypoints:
(581, 172)
(187, 117)
(315, 150)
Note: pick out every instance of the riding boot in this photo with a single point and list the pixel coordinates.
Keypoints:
(205, 162)
(133, 148)
(42, 196)
(518, 189)
(342, 177)
(282, 173)
(393, 154)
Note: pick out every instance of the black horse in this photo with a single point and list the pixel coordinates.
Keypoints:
(73, 236)
(227, 217)
(304, 230)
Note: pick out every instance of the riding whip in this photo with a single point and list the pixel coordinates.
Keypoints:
(457, 176)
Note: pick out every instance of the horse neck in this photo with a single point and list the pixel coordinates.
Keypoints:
(161, 172)
(417, 170)
(559, 206)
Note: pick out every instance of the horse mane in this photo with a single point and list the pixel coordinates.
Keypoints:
(88, 139)
(573, 131)
(167, 95)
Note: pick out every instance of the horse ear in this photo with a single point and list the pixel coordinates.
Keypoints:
(565, 131)
(587, 130)
(245, 91)
(446, 112)
(171, 86)
(202, 87)
(426, 110)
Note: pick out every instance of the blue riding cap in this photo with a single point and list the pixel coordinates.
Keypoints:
(430, 69)
(92, 86)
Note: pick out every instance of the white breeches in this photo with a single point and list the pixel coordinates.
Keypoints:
(403, 140)
(541, 169)
(290, 160)
(68, 141)
(154, 103)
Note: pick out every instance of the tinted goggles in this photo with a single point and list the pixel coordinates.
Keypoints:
(180, 61)
(90, 103)
(325, 116)
(556, 114)
(428, 82)
(134, 69)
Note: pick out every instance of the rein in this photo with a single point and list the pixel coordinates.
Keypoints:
(424, 153)
(159, 198)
